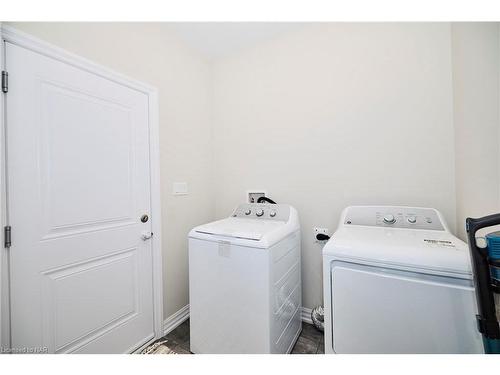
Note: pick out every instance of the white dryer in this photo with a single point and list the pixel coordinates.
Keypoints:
(245, 283)
(397, 281)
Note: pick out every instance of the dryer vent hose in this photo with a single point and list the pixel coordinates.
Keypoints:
(318, 317)
(265, 199)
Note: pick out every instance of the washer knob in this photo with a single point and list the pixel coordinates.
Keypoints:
(412, 219)
(272, 213)
(389, 219)
(259, 212)
(248, 212)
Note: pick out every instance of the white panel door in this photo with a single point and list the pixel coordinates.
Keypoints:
(78, 183)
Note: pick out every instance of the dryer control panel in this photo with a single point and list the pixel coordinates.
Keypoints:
(263, 211)
(394, 217)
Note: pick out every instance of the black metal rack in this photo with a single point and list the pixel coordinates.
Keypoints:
(485, 286)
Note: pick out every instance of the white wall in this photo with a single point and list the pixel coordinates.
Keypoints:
(323, 117)
(153, 54)
(336, 115)
(475, 56)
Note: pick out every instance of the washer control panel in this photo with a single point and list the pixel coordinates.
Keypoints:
(279, 212)
(394, 217)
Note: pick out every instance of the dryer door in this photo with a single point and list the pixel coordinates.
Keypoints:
(381, 310)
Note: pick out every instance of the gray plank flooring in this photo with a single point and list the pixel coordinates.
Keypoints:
(310, 341)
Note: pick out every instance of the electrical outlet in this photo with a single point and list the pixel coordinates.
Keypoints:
(254, 195)
(317, 231)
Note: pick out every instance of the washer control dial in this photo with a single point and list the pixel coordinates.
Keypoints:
(389, 219)
(259, 212)
(248, 212)
(272, 213)
(412, 219)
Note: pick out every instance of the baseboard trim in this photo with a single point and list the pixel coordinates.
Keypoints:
(175, 320)
(179, 317)
(306, 315)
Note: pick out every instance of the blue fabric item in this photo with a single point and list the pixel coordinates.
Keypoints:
(493, 242)
(491, 346)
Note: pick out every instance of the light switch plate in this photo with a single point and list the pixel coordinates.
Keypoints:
(180, 188)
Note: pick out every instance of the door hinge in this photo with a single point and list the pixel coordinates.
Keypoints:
(5, 81)
(7, 236)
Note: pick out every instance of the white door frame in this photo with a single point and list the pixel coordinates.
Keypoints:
(12, 35)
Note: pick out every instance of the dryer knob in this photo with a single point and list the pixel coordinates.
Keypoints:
(272, 213)
(248, 212)
(259, 212)
(389, 219)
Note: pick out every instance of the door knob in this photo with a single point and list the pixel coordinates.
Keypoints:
(146, 235)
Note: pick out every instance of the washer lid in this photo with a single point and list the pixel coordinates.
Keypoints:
(235, 227)
(425, 250)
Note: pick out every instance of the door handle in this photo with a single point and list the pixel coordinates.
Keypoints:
(146, 235)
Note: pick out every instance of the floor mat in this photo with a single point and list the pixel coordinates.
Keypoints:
(159, 347)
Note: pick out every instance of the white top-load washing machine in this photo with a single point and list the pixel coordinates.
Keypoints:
(245, 283)
(397, 281)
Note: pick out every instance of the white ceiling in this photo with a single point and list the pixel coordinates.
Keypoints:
(217, 39)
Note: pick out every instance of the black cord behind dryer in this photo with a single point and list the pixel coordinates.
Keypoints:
(265, 200)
